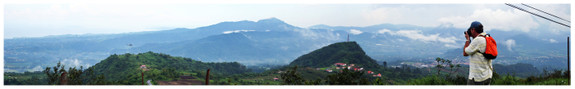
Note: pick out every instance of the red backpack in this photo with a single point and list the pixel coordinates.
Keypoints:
(490, 48)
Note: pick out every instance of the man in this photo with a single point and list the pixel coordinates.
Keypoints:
(480, 68)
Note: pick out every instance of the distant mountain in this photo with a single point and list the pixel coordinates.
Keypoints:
(519, 69)
(521, 48)
(342, 52)
(22, 54)
(126, 67)
(270, 41)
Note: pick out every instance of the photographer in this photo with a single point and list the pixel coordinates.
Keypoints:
(480, 68)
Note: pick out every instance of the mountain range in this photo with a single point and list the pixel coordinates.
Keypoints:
(272, 41)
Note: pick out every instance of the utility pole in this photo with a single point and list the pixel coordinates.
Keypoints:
(142, 77)
(143, 69)
(568, 56)
(348, 37)
(208, 77)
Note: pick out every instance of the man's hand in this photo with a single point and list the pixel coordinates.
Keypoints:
(466, 43)
(467, 36)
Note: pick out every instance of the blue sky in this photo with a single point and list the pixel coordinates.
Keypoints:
(37, 20)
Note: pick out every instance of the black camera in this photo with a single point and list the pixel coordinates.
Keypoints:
(468, 32)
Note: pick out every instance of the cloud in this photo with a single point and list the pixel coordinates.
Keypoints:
(418, 35)
(237, 31)
(74, 63)
(509, 43)
(383, 31)
(328, 35)
(37, 68)
(505, 20)
(552, 40)
(414, 14)
(355, 31)
(451, 46)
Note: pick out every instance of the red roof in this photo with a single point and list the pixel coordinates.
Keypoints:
(339, 63)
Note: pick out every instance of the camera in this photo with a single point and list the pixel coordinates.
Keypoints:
(468, 32)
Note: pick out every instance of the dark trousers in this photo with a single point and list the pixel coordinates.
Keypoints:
(484, 82)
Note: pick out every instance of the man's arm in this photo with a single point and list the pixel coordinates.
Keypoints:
(466, 45)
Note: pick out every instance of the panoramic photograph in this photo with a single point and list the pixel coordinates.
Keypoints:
(378, 44)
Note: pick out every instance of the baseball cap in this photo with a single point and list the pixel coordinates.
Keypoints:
(474, 24)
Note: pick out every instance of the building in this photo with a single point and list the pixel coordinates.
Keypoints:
(340, 64)
(328, 70)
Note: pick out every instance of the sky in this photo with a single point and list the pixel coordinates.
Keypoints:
(44, 19)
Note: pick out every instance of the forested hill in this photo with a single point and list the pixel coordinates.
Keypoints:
(126, 67)
(342, 52)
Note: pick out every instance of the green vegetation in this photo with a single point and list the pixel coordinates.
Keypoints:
(548, 78)
(125, 70)
(342, 52)
(26, 78)
(520, 69)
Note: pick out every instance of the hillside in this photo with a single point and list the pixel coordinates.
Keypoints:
(125, 68)
(275, 42)
(342, 52)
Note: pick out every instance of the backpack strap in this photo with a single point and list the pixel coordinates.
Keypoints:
(485, 36)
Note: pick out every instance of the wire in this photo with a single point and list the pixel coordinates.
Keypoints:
(537, 15)
(545, 12)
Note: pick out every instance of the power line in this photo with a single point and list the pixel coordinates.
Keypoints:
(537, 15)
(545, 12)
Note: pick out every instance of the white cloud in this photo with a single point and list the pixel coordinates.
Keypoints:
(452, 46)
(506, 20)
(37, 68)
(311, 34)
(383, 31)
(355, 31)
(552, 40)
(77, 18)
(509, 43)
(74, 63)
(418, 35)
(237, 31)
(414, 14)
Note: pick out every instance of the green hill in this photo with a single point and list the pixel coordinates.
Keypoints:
(125, 69)
(342, 52)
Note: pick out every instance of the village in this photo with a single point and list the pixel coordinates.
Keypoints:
(338, 67)
(427, 65)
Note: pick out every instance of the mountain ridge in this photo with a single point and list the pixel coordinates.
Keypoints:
(341, 52)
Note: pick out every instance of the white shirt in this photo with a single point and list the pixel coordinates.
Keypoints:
(480, 68)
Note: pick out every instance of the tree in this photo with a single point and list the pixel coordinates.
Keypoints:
(53, 76)
(292, 77)
(439, 65)
(347, 77)
(385, 64)
(75, 76)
